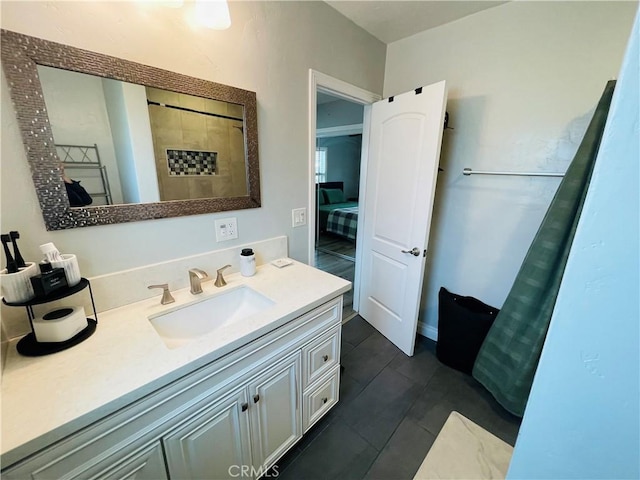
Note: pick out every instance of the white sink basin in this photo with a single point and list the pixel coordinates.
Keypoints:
(186, 323)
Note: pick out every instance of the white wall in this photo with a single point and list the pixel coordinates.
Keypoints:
(339, 112)
(268, 49)
(343, 151)
(583, 417)
(523, 80)
(343, 162)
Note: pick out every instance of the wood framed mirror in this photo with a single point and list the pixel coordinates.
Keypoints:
(25, 60)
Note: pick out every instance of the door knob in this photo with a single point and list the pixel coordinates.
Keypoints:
(414, 251)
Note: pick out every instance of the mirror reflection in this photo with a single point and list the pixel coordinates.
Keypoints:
(215, 166)
(123, 143)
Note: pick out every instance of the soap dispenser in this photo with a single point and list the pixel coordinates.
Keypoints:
(247, 262)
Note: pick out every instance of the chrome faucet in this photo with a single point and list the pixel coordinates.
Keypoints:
(196, 277)
(220, 281)
(166, 294)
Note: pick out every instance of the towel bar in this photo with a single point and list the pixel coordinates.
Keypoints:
(468, 171)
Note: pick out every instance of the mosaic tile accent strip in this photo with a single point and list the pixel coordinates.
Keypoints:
(191, 162)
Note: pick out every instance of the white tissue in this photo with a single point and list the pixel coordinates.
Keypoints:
(70, 265)
(50, 252)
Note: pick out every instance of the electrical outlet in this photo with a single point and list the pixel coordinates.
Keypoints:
(226, 229)
(298, 217)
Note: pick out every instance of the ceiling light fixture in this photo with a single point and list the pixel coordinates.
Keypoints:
(162, 3)
(213, 14)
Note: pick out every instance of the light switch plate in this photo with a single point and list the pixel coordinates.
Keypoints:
(298, 217)
(226, 229)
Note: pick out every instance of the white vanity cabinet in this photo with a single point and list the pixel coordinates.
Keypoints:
(276, 414)
(248, 429)
(234, 417)
(216, 438)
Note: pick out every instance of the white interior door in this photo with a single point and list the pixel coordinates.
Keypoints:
(404, 149)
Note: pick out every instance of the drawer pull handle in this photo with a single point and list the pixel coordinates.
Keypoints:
(325, 357)
(245, 407)
(256, 398)
(324, 400)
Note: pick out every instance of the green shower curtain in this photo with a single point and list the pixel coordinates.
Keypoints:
(508, 358)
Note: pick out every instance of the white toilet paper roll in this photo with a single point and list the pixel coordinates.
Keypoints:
(60, 324)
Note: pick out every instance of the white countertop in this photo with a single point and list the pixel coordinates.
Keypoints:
(45, 398)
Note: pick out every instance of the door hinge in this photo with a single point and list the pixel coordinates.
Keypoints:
(424, 254)
(418, 90)
(390, 99)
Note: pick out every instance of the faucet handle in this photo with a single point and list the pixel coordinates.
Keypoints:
(220, 281)
(166, 294)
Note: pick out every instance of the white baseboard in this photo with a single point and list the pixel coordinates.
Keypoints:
(423, 329)
(348, 317)
(428, 331)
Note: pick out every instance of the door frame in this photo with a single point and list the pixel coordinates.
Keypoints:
(341, 89)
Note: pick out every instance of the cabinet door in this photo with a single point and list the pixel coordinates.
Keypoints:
(146, 464)
(214, 443)
(276, 419)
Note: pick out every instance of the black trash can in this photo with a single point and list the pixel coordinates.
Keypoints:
(463, 323)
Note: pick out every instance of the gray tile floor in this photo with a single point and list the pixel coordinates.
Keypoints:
(338, 265)
(390, 411)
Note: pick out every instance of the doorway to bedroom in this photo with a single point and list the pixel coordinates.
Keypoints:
(337, 183)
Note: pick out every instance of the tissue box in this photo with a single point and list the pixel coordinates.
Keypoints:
(60, 324)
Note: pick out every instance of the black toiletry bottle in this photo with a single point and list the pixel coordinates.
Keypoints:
(49, 280)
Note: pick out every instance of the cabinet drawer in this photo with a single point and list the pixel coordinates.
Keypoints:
(320, 356)
(320, 398)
